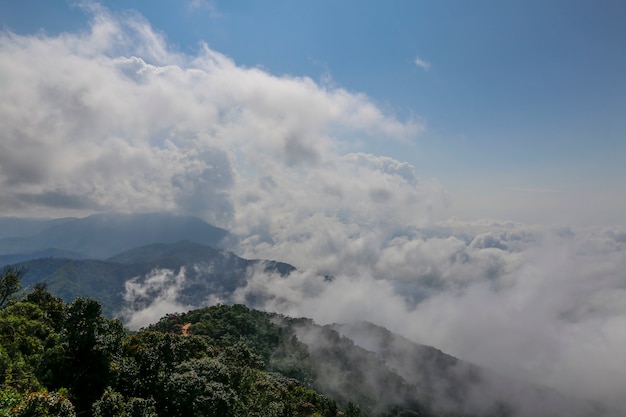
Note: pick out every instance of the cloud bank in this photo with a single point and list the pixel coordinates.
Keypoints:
(539, 305)
(114, 119)
(534, 304)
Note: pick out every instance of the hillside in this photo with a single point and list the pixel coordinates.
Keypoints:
(48, 253)
(209, 271)
(383, 373)
(68, 359)
(460, 385)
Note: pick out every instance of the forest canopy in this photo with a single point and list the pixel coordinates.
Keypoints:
(67, 359)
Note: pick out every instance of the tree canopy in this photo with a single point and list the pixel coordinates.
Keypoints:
(60, 359)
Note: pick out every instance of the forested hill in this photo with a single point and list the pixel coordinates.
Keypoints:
(209, 271)
(61, 359)
(67, 359)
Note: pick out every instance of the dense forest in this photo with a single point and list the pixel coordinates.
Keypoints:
(67, 359)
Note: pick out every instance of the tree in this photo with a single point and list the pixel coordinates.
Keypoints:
(51, 305)
(90, 342)
(9, 283)
(114, 404)
(352, 410)
(35, 404)
(24, 340)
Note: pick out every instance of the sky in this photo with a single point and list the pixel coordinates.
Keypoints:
(520, 104)
(457, 166)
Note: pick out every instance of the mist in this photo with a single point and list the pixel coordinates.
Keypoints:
(540, 306)
(551, 311)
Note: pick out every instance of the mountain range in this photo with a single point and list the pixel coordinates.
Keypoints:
(100, 236)
(208, 272)
(102, 256)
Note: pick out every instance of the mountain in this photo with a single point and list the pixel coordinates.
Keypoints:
(384, 374)
(235, 361)
(103, 235)
(208, 271)
(27, 226)
(48, 253)
(453, 384)
(66, 360)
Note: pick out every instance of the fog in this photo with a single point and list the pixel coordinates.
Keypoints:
(544, 306)
(551, 311)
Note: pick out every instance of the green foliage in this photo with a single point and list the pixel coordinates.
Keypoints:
(67, 359)
(276, 346)
(89, 342)
(24, 338)
(227, 325)
(35, 404)
(52, 307)
(9, 283)
(114, 404)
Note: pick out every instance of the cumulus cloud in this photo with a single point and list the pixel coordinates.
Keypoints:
(114, 119)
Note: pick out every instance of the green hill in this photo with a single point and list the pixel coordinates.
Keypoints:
(209, 272)
(59, 359)
(68, 360)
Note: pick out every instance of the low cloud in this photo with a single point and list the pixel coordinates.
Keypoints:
(152, 297)
(537, 305)
(541, 305)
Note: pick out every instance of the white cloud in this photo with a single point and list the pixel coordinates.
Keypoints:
(206, 5)
(546, 306)
(421, 63)
(153, 296)
(117, 120)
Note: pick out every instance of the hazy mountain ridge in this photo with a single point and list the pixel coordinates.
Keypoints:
(208, 272)
(332, 360)
(25, 227)
(48, 253)
(103, 235)
(454, 384)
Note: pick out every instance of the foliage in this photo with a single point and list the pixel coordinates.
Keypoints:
(9, 283)
(114, 404)
(35, 404)
(67, 359)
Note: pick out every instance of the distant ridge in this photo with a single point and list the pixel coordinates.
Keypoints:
(103, 235)
(209, 271)
(48, 253)
(180, 252)
(27, 226)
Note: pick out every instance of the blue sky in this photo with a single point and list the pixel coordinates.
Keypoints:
(517, 95)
